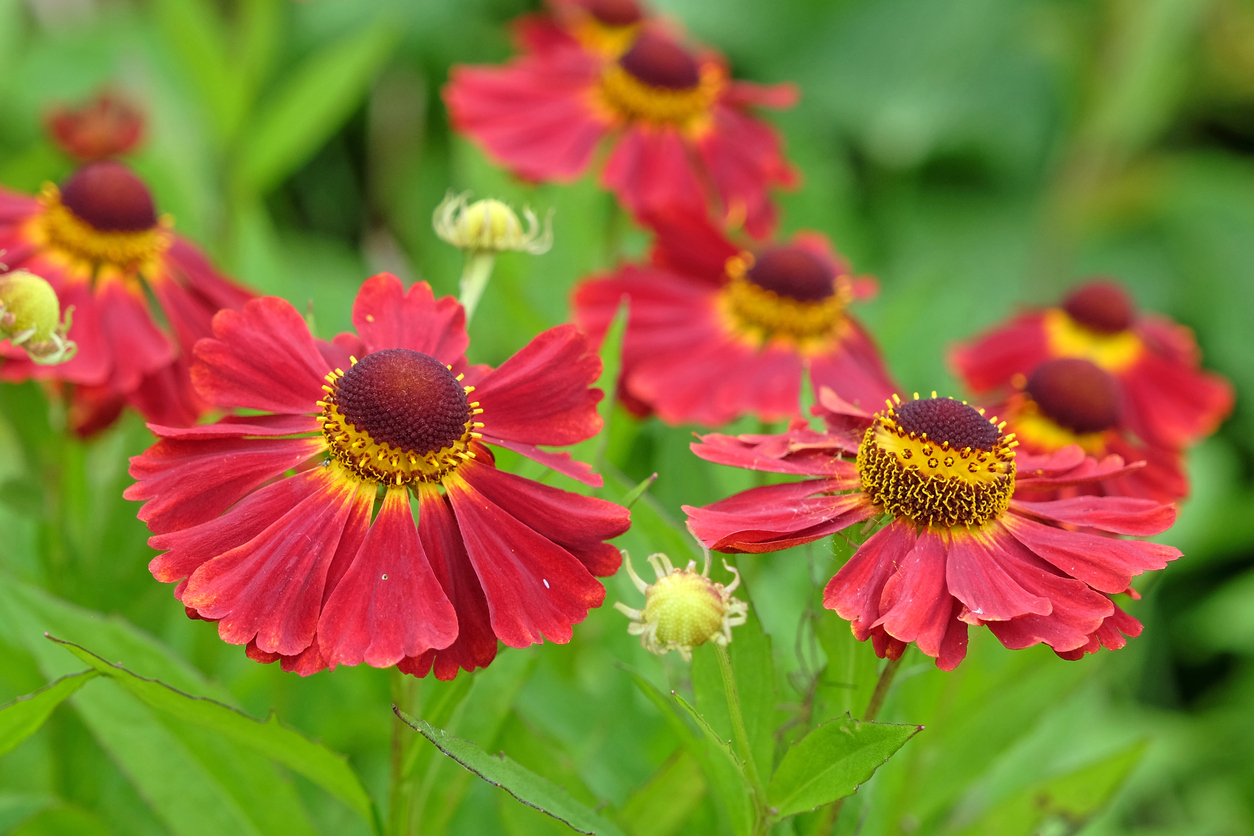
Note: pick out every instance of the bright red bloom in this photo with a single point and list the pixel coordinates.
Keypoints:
(1070, 401)
(1169, 401)
(295, 567)
(100, 244)
(716, 331)
(682, 132)
(102, 127)
(966, 544)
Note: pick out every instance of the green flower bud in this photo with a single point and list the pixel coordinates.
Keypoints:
(490, 226)
(30, 316)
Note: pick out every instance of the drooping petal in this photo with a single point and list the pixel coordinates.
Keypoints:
(535, 589)
(561, 462)
(385, 316)
(543, 394)
(1174, 404)
(139, 348)
(989, 361)
(1114, 514)
(580, 524)
(240, 426)
(745, 158)
(183, 483)
(856, 590)
(776, 517)
(976, 577)
(389, 604)
(800, 450)
(271, 587)
(650, 171)
(915, 603)
(690, 246)
(262, 357)
(853, 369)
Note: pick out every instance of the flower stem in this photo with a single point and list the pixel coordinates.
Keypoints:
(872, 711)
(742, 734)
(401, 794)
(475, 275)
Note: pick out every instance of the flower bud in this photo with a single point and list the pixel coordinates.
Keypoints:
(683, 608)
(30, 316)
(490, 226)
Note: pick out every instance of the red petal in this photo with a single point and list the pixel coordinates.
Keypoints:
(916, 605)
(262, 358)
(561, 462)
(541, 395)
(242, 426)
(1173, 403)
(535, 589)
(650, 171)
(853, 370)
(579, 524)
(189, 482)
(385, 316)
(138, 346)
(687, 244)
(776, 517)
(856, 590)
(989, 361)
(953, 647)
(389, 604)
(744, 158)
(976, 577)
(799, 450)
(271, 587)
(167, 397)
(1104, 563)
(1114, 514)
(475, 646)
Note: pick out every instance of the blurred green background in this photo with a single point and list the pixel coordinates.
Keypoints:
(975, 155)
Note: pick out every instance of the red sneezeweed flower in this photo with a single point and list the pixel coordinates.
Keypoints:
(299, 569)
(1070, 401)
(683, 135)
(717, 331)
(102, 127)
(100, 244)
(600, 27)
(1168, 400)
(965, 544)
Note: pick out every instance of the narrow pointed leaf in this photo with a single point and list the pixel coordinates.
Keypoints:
(25, 715)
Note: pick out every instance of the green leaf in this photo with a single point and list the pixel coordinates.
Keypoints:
(310, 104)
(1074, 797)
(526, 786)
(197, 38)
(17, 807)
(661, 806)
(750, 653)
(629, 499)
(23, 717)
(832, 761)
(316, 762)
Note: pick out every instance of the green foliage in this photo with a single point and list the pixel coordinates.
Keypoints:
(23, 717)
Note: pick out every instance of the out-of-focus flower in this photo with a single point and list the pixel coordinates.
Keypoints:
(682, 131)
(683, 608)
(101, 127)
(100, 244)
(490, 226)
(30, 317)
(718, 330)
(300, 569)
(965, 544)
(1072, 401)
(1168, 399)
(601, 27)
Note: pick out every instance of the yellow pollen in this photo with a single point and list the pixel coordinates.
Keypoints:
(626, 98)
(1112, 352)
(57, 228)
(760, 315)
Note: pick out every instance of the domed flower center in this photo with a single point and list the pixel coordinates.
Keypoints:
(785, 293)
(658, 81)
(1076, 395)
(615, 12)
(103, 215)
(109, 198)
(1101, 306)
(937, 462)
(398, 416)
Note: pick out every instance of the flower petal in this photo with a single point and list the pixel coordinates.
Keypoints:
(650, 170)
(776, 517)
(260, 358)
(856, 590)
(389, 604)
(1114, 514)
(561, 462)
(916, 604)
(385, 316)
(975, 576)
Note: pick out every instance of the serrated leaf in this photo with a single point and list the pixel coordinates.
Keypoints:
(832, 761)
(526, 786)
(25, 715)
(268, 737)
(310, 104)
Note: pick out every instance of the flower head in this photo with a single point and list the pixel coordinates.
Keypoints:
(293, 526)
(682, 131)
(102, 127)
(1168, 400)
(101, 245)
(490, 226)
(718, 329)
(972, 535)
(683, 608)
(30, 317)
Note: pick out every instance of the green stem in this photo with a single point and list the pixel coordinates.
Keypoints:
(742, 734)
(401, 795)
(872, 711)
(475, 275)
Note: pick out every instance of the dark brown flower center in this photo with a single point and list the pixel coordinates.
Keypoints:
(1076, 394)
(1102, 306)
(793, 272)
(405, 399)
(659, 62)
(615, 12)
(948, 420)
(108, 197)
